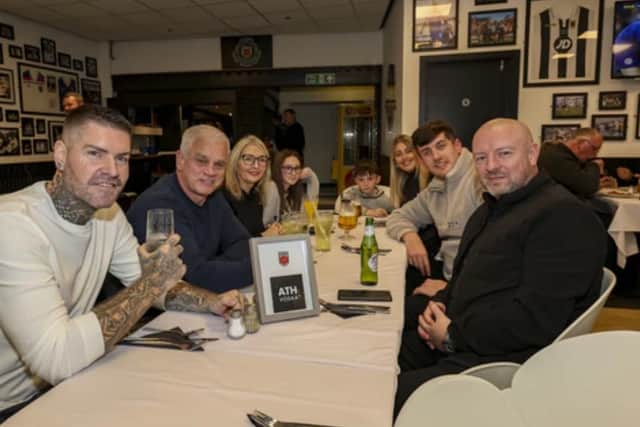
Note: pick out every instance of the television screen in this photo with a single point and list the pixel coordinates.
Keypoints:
(626, 40)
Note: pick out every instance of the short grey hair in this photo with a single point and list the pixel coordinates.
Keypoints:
(197, 132)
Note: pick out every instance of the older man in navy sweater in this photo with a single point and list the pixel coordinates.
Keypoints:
(216, 249)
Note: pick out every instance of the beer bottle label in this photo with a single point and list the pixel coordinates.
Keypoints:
(373, 263)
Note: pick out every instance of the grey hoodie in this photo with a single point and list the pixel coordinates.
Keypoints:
(447, 203)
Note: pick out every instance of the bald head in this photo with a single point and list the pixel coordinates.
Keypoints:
(505, 155)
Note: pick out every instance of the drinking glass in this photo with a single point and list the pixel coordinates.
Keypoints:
(322, 223)
(292, 223)
(159, 227)
(347, 219)
(310, 206)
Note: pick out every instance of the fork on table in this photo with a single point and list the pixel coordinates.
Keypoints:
(260, 419)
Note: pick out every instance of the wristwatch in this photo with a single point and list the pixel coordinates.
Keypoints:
(447, 344)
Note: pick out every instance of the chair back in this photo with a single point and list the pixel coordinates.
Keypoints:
(584, 324)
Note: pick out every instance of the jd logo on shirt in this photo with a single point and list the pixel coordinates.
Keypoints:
(287, 293)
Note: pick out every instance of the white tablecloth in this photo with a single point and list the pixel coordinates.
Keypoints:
(624, 226)
(323, 370)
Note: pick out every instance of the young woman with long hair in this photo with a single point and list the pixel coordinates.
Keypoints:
(408, 177)
(294, 181)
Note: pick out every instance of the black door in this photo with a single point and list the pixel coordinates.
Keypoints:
(468, 90)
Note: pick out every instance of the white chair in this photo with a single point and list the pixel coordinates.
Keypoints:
(584, 324)
(500, 374)
(457, 400)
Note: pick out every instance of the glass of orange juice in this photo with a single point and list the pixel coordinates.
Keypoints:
(310, 207)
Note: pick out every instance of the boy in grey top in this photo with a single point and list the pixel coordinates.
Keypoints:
(375, 199)
(454, 192)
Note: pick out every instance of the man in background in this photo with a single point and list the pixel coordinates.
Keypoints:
(293, 135)
(216, 244)
(573, 163)
(71, 101)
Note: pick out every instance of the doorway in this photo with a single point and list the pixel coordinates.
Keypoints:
(468, 90)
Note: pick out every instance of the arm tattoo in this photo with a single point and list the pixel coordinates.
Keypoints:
(71, 208)
(120, 313)
(187, 297)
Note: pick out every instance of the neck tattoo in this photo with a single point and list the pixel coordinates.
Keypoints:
(67, 205)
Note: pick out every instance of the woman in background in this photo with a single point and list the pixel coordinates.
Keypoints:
(249, 189)
(295, 182)
(407, 178)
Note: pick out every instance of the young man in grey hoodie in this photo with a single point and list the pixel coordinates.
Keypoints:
(454, 193)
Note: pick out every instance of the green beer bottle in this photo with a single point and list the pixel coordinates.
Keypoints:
(369, 255)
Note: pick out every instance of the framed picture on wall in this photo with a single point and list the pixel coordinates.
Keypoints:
(78, 65)
(9, 142)
(569, 105)
(435, 24)
(558, 133)
(12, 116)
(612, 127)
(40, 146)
(42, 89)
(27, 147)
(7, 87)
(91, 91)
(41, 126)
(91, 66)
(48, 51)
(7, 32)
(55, 131)
(562, 42)
(15, 51)
(28, 127)
(64, 60)
(31, 53)
(1, 55)
(625, 61)
(612, 100)
(1, 118)
(492, 28)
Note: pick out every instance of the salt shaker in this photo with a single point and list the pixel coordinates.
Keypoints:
(236, 329)
(251, 318)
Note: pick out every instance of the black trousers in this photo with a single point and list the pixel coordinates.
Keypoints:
(418, 364)
(9, 412)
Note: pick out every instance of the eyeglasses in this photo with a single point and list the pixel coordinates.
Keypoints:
(291, 169)
(593, 146)
(249, 159)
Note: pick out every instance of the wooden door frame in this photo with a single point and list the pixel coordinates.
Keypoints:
(425, 61)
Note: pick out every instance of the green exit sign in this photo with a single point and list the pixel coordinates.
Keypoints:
(319, 79)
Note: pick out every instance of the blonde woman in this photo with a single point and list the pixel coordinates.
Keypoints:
(252, 195)
(407, 178)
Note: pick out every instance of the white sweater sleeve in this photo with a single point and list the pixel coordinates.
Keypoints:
(312, 185)
(33, 315)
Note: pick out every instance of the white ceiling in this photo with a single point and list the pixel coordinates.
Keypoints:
(173, 19)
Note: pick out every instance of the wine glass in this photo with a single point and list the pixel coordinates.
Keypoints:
(160, 226)
(347, 218)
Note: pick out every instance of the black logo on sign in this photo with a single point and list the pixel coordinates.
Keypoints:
(287, 293)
